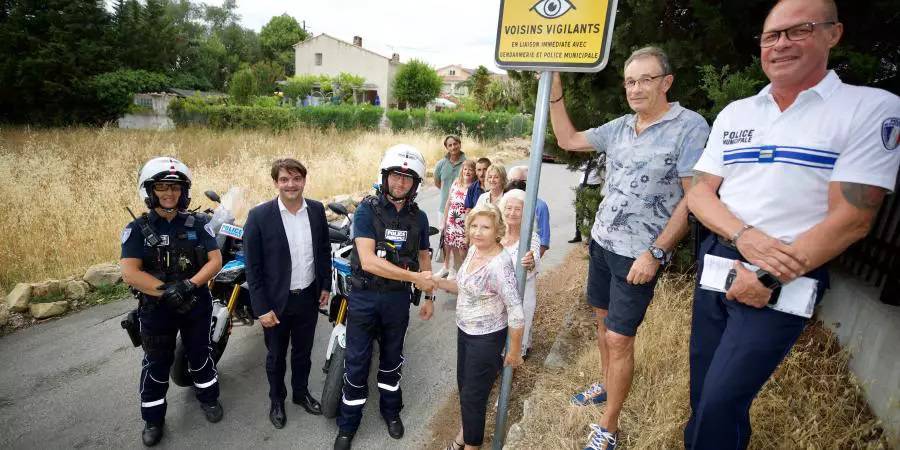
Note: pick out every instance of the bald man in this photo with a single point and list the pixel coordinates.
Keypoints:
(788, 180)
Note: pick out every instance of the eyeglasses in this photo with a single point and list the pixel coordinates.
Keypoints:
(163, 187)
(794, 33)
(641, 82)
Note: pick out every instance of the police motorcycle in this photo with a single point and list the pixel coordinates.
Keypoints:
(229, 289)
(341, 248)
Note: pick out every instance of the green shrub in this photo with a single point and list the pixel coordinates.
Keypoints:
(115, 90)
(265, 101)
(193, 110)
(243, 86)
(251, 117)
(490, 126)
(399, 119)
(519, 125)
(342, 117)
(299, 87)
(418, 118)
(586, 203)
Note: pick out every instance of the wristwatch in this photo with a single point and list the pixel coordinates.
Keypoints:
(429, 297)
(659, 254)
(767, 279)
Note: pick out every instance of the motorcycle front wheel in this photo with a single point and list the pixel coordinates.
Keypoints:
(334, 383)
(179, 373)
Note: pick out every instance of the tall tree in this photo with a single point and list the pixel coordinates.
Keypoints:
(277, 39)
(50, 50)
(480, 81)
(417, 84)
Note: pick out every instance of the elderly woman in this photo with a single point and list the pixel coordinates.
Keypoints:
(511, 206)
(495, 181)
(487, 308)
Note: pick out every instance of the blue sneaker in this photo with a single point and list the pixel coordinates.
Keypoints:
(594, 395)
(601, 439)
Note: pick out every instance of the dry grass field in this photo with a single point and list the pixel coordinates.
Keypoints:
(63, 191)
(812, 402)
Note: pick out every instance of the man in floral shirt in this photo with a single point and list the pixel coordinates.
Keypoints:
(650, 155)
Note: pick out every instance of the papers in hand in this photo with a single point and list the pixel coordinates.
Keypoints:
(797, 297)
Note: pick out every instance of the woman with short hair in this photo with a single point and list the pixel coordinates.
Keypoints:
(488, 308)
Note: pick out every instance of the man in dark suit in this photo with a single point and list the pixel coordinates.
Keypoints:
(289, 273)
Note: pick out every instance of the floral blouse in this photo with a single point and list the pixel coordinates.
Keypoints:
(488, 299)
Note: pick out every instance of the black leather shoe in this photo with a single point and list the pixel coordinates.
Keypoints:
(308, 403)
(343, 440)
(395, 427)
(277, 415)
(213, 411)
(152, 434)
(575, 239)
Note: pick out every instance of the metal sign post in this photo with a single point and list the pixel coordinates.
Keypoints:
(541, 110)
(550, 35)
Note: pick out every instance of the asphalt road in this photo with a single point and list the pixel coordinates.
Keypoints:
(73, 382)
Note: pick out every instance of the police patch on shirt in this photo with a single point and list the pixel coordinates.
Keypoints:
(209, 230)
(398, 237)
(163, 241)
(890, 133)
(125, 234)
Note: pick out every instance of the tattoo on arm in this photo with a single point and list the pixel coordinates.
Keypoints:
(862, 196)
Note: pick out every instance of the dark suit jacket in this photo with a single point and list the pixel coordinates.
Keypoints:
(268, 258)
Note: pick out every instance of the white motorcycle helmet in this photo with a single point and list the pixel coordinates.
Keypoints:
(404, 159)
(168, 170)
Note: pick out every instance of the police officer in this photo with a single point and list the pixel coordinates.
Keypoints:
(168, 255)
(391, 246)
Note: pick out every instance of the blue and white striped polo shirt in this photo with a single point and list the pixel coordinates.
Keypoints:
(776, 165)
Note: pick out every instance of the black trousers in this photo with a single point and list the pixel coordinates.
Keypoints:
(297, 329)
(478, 361)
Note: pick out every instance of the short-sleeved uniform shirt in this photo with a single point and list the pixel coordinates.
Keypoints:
(776, 165)
(364, 222)
(134, 244)
(643, 181)
(447, 172)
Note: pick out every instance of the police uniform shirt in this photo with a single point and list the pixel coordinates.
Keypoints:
(134, 244)
(299, 237)
(776, 165)
(364, 217)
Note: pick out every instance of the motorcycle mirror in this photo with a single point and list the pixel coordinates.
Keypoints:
(433, 231)
(339, 209)
(213, 196)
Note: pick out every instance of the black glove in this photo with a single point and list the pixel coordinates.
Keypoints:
(179, 296)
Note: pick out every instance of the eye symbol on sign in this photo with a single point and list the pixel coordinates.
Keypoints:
(552, 9)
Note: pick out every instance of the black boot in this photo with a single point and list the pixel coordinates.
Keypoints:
(343, 440)
(395, 427)
(152, 433)
(213, 411)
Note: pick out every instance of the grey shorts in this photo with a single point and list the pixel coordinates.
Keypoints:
(608, 289)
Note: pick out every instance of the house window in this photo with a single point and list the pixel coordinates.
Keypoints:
(452, 72)
(318, 59)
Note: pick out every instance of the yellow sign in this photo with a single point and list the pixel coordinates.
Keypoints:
(564, 35)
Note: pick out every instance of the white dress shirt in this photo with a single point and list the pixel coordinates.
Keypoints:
(299, 236)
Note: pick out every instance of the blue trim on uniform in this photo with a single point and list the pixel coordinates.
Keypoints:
(783, 146)
(774, 154)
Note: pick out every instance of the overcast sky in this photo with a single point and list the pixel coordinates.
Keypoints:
(438, 32)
